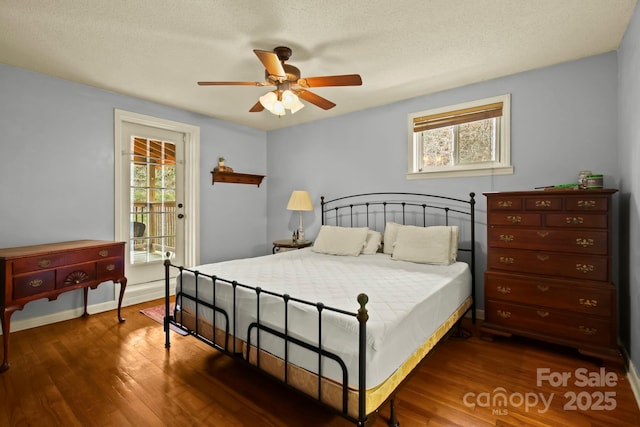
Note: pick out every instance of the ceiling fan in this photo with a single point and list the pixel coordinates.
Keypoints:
(289, 85)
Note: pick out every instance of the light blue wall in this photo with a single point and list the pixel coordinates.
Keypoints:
(629, 159)
(57, 173)
(563, 120)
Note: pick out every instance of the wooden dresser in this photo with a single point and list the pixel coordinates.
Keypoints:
(549, 269)
(45, 271)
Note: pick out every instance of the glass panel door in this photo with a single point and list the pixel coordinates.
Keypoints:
(153, 200)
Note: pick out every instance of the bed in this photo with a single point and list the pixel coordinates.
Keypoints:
(346, 320)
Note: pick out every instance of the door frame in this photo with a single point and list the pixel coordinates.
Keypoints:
(144, 292)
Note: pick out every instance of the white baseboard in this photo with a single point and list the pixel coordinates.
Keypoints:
(134, 294)
(634, 381)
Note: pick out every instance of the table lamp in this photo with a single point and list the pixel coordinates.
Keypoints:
(300, 201)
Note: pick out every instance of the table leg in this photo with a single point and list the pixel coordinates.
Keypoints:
(86, 295)
(6, 320)
(123, 285)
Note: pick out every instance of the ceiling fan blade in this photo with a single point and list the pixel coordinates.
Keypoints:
(232, 83)
(317, 100)
(323, 81)
(271, 62)
(256, 108)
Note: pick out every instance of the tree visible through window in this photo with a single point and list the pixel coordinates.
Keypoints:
(466, 139)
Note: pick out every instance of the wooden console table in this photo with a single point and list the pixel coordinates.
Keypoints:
(29, 273)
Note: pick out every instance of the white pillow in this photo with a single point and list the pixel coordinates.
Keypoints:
(426, 245)
(335, 240)
(390, 232)
(373, 242)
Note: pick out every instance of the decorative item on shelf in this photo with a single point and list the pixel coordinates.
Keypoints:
(221, 166)
(300, 201)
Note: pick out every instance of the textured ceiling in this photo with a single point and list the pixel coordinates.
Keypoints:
(158, 49)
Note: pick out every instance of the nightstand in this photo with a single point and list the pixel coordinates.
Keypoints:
(290, 244)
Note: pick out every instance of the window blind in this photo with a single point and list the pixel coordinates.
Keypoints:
(450, 118)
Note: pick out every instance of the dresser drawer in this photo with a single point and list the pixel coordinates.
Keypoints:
(586, 267)
(570, 296)
(576, 241)
(33, 284)
(111, 269)
(543, 203)
(515, 219)
(505, 203)
(552, 323)
(587, 202)
(576, 220)
(75, 274)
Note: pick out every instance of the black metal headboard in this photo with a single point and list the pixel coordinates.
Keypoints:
(374, 210)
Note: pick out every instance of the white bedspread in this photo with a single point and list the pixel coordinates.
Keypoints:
(407, 303)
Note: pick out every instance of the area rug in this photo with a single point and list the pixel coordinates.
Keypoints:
(157, 313)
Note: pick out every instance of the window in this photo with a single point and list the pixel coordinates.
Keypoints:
(468, 139)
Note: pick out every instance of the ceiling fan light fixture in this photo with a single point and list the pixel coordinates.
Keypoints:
(278, 109)
(288, 99)
(268, 99)
(297, 105)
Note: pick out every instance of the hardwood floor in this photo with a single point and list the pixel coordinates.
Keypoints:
(96, 372)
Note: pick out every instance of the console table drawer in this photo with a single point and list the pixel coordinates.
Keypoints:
(33, 284)
(75, 275)
(110, 269)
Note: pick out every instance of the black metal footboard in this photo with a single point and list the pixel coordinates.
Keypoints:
(229, 316)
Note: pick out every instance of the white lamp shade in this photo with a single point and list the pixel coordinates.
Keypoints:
(300, 201)
(268, 99)
(297, 105)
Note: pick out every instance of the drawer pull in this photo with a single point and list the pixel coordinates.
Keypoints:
(506, 260)
(542, 233)
(588, 302)
(44, 263)
(505, 203)
(514, 219)
(504, 290)
(543, 313)
(585, 268)
(111, 267)
(543, 288)
(587, 331)
(506, 237)
(542, 257)
(36, 283)
(575, 220)
(587, 204)
(543, 203)
(584, 242)
(103, 253)
(504, 314)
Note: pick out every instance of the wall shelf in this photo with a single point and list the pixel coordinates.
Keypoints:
(235, 178)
